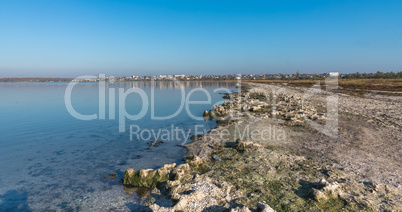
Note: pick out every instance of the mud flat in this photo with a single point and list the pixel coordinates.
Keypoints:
(287, 149)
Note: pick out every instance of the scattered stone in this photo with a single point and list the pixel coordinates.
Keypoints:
(247, 145)
(217, 158)
(150, 177)
(156, 143)
(255, 108)
(322, 183)
(196, 163)
(332, 189)
(181, 172)
(199, 193)
(195, 137)
(319, 195)
(170, 184)
(261, 207)
(240, 209)
(149, 200)
(147, 177)
(324, 190)
(277, 170)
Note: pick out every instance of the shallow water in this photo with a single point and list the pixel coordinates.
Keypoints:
(50, 160)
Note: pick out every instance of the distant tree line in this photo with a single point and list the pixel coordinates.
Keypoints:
(378, 75)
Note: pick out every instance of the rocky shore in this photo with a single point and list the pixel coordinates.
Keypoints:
(276, 148)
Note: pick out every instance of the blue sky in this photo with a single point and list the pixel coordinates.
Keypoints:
(68, 38)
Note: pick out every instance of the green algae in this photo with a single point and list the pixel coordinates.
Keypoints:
(278, 178)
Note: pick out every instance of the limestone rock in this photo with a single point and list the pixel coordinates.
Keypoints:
(325, 190)
(181, 172)
(196, 163)
(199, 193)
(216, 157)
(189, 198)
(147, 177)
(319, 195)
(172, 183)
(246, 145)
(157, 208)
(164, 172)
(255, 108)
(332, 189)
(128, 178)
(238, 209)
(261, 207)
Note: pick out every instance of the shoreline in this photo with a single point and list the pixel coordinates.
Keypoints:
(321, 181)
(51, 80)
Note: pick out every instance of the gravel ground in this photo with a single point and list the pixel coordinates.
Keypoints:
(366, 146)
(294, 149)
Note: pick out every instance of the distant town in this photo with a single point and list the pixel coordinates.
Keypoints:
(213, 77)
(296, 76)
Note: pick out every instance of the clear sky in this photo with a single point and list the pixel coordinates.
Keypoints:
(68, 38)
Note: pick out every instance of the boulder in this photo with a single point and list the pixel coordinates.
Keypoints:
(325, 190)
(332, 189)
(246, 108)
(261, 207)
(196, 163)
(199, 194)
(194, 160)
(128, 178)
(216, 157)
(184, 200)
(255, 108)
(163, 173)
(170, 184)
(246, 145)
(318, 195)
(240, 209)
(181, 172)
(147, 177)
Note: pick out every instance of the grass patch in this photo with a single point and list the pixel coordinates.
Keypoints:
(273, 176)
(257, 95)
(355, 87)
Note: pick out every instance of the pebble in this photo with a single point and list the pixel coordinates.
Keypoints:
(216, 157)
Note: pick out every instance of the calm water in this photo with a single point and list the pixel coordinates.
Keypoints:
(50, 160)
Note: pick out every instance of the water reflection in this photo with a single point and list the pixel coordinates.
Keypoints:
(51, 160)
(163, 85)
(140, 84)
